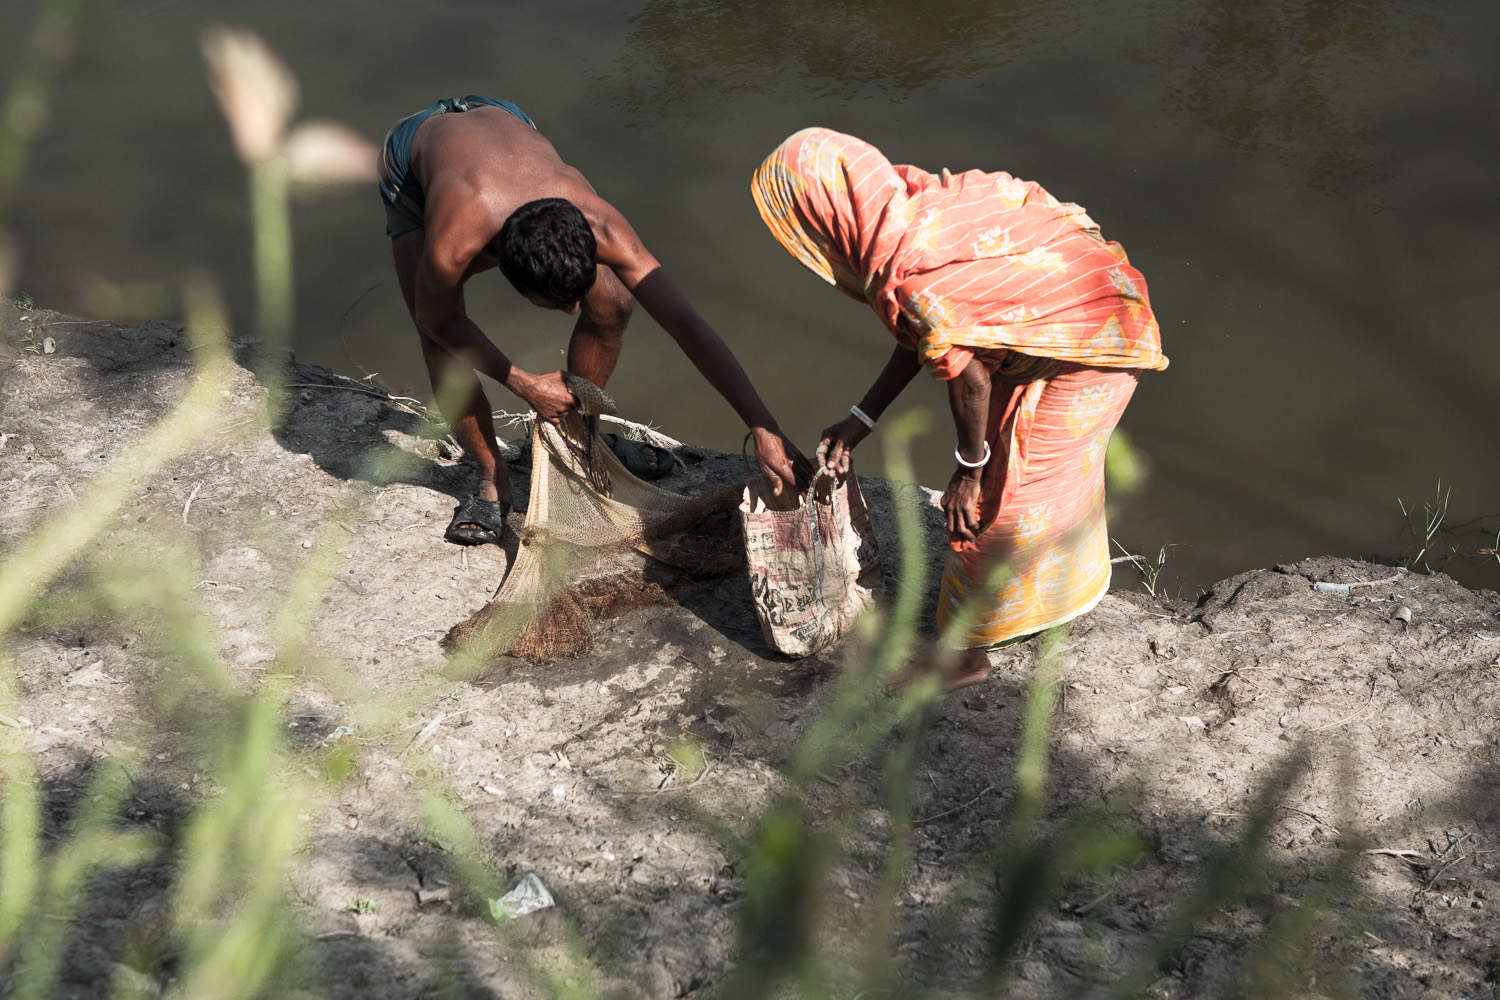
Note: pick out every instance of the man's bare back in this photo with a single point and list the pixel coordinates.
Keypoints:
(478, 170)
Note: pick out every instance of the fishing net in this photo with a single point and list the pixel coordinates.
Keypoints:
(585, 512)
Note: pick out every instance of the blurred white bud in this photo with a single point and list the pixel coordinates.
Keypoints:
(256, 91)
(327, 152)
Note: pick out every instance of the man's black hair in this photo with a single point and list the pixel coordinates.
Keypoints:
(546, 248)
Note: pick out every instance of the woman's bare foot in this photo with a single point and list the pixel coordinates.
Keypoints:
(970, 667)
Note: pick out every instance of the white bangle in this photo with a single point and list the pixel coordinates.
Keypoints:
(973, 465)
(862, 417)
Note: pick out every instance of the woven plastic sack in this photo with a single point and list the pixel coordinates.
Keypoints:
(813, 570)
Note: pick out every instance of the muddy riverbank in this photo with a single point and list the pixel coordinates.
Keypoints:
(1177, 712)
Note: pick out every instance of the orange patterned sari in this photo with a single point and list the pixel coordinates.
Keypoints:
(986, 267)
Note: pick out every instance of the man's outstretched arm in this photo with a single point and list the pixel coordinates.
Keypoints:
(440, 314)
(781, 463)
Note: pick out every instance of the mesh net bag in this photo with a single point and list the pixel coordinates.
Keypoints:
(585, 510)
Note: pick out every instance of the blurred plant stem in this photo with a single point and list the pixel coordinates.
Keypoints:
(27, 106)
(20, 827)
(58, 882)
(26, 110)
(228, 914)
(270, 208)
(258, 94)
(31, 566)
(239, 843)
(787, 860)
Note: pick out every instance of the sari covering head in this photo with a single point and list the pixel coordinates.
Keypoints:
(955, 264)
(986, 267)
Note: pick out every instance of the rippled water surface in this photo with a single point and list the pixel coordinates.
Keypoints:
(1307, 186)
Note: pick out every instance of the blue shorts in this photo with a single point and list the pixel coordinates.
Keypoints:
(404, 202)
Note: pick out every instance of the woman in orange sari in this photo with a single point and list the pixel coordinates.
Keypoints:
(1038, 325)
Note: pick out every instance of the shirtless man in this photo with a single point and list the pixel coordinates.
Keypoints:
(470, 184)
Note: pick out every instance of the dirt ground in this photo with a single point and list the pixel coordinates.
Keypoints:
(1178, 712)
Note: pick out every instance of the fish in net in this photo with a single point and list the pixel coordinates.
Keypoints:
(586, 510)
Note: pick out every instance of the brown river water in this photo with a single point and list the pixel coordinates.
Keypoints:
(1309, 188)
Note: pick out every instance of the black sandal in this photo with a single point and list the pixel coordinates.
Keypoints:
(477, 522)
(641, 460)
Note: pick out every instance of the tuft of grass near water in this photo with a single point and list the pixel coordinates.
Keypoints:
(1150, 569)
(1440, 543)
(1428, 527)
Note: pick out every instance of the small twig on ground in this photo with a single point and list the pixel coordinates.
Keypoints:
(1432, 880)
(352, 387)
(1216, 938)
(1084, 909)
(664, 786)
(1311, 816)
(410, 404)
(428, 730)
(1413, 858)
(297, 892)
(950, 812)
(191, 497)
(707, 767)
(69, 322)
(1451, 846)
(1332, 725)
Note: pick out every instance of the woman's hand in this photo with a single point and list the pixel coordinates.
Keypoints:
(961, 504)
(838, 441)
(547, 395)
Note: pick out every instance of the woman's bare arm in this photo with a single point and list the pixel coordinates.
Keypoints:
(841, 438)
(969, 400)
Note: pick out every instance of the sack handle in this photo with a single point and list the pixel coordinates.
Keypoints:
(752, 470)
(810, 506)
